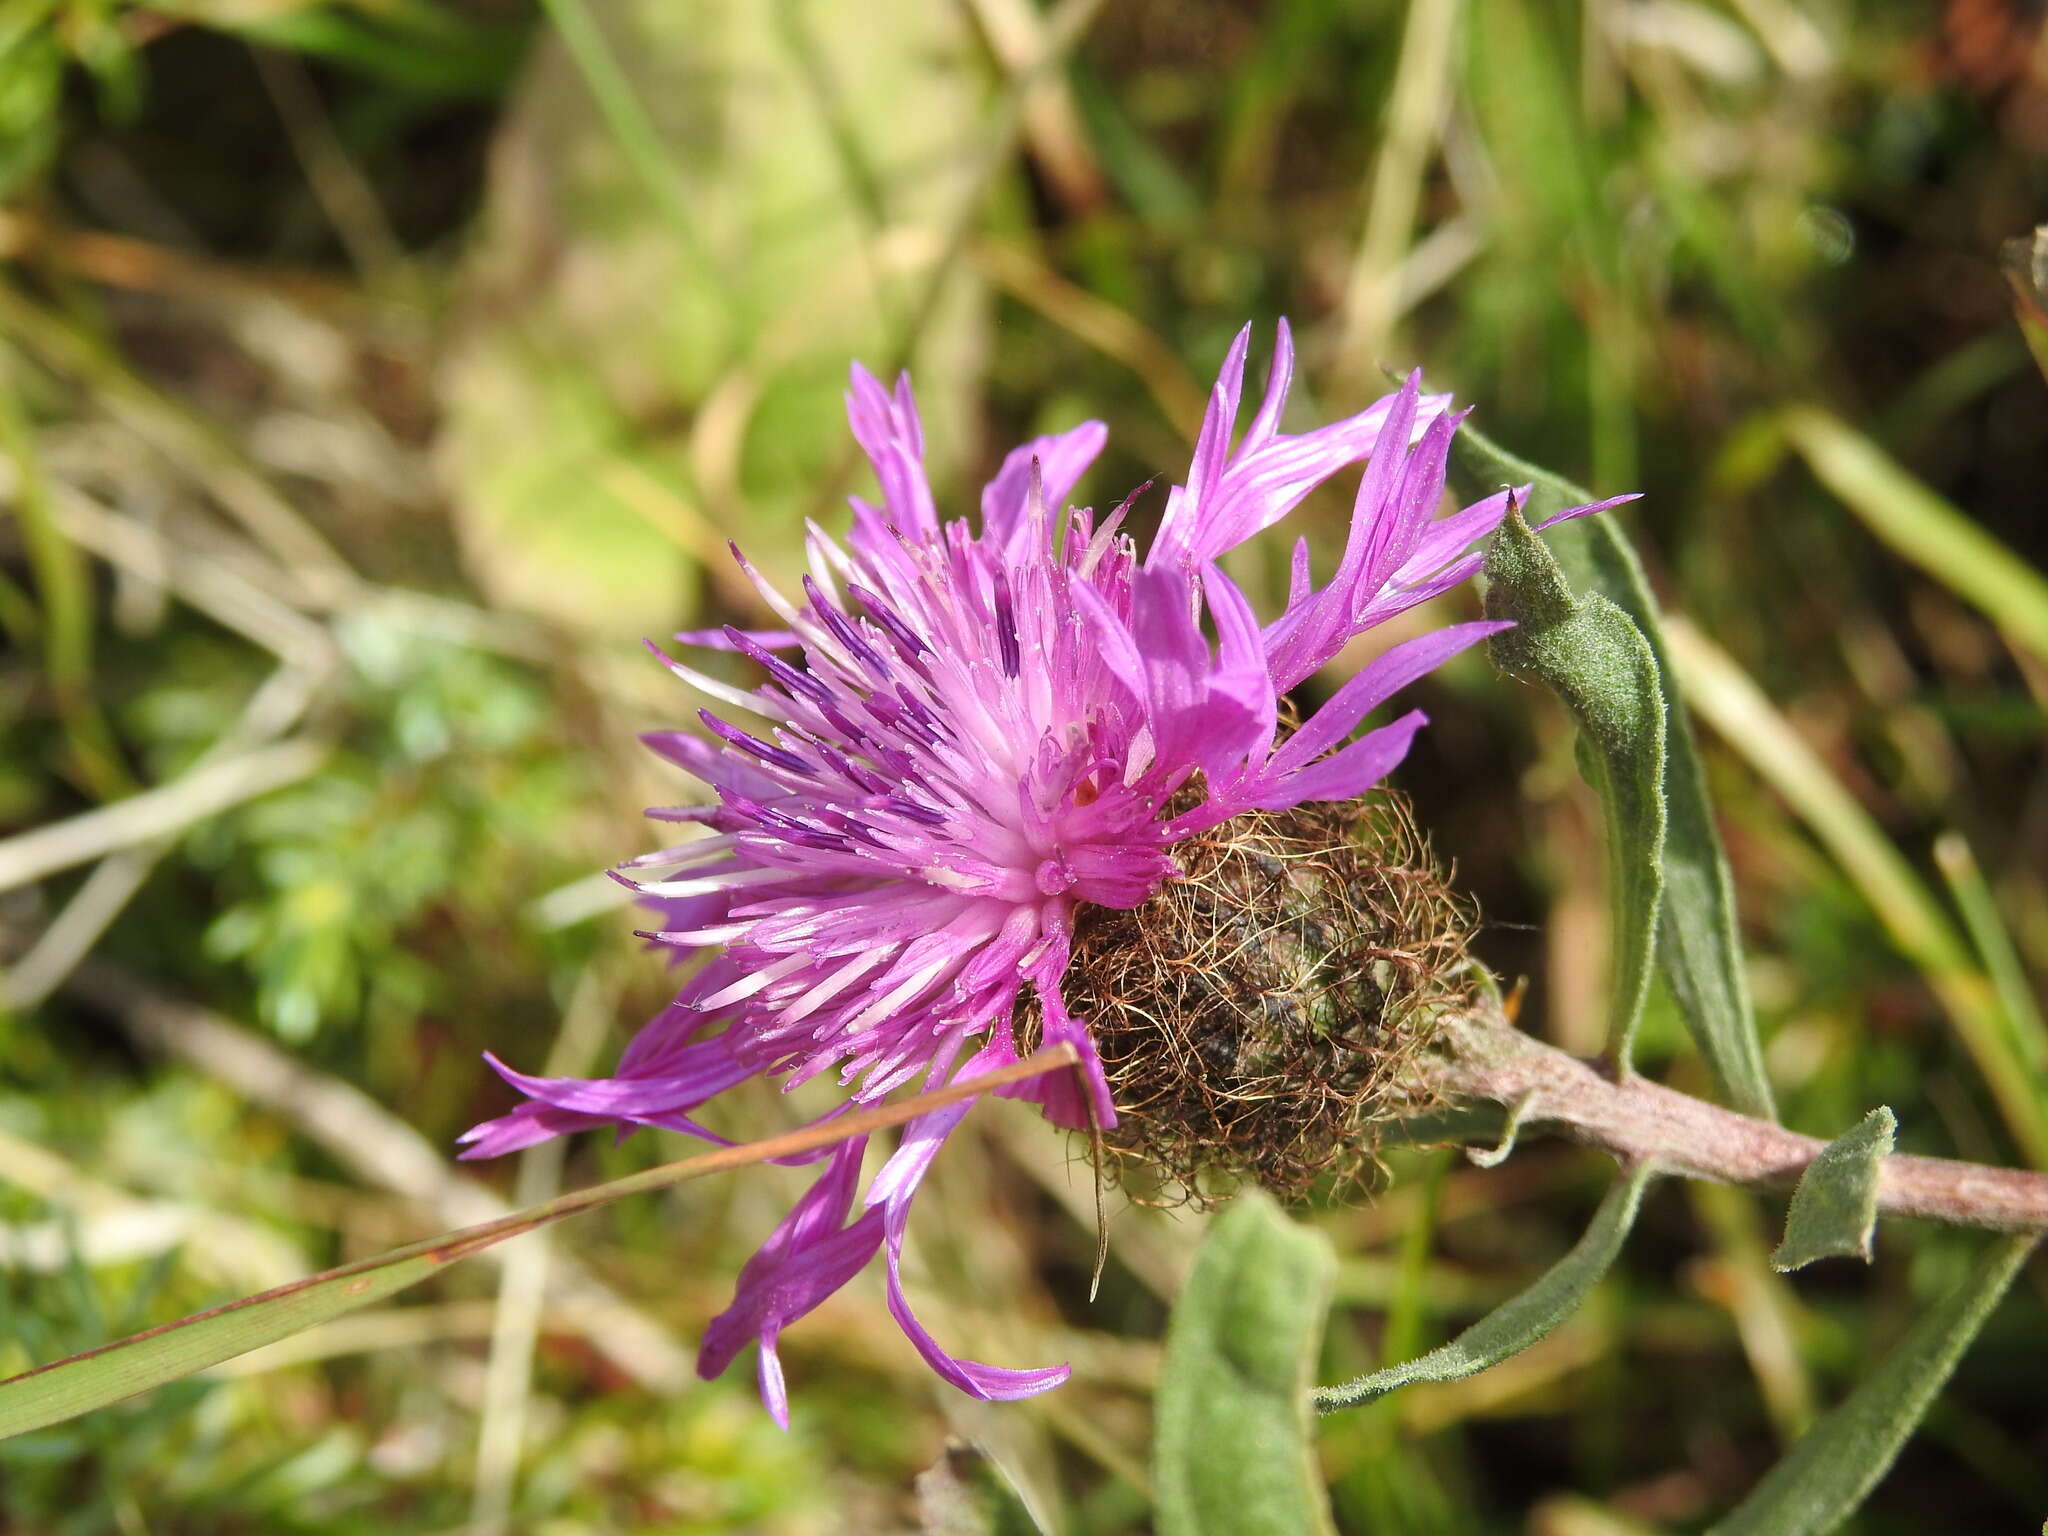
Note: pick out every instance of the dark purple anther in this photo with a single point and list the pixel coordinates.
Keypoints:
(843, 630)
(755, 745)
(1006, 626)
(906, 638)
(792, 678)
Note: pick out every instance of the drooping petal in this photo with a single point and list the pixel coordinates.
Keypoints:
(1075, 1100)
(809, 1256)
(890, 1196)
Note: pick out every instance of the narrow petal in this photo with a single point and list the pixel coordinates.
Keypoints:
(891, 1194)
(809, 1255)
(1062, 459)
(1373, 685)
(696, 1074)
(1585, 511)
(1079, 1099)
(1347, 774)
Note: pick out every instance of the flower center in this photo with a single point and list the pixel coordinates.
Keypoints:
(1054, 878)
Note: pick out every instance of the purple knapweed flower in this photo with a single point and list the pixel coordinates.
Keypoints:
(964, 735)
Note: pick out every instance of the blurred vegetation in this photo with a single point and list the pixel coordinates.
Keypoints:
(373, 376)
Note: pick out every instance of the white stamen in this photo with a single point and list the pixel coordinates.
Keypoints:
(703, 885)
(834, 984)
(754, 982)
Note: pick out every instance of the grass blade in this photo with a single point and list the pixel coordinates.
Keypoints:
(1935, 535)
(1994, 946)
(1729, 699)
(66, 1388)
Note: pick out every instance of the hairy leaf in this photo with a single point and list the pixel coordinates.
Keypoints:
(1829, 1472)
(1834, 1209)
(1698, 948)
(1233, 1452)
(1517, 1323)
(1592, 655)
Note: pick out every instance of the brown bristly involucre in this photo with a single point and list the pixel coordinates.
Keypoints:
(1259, 1017)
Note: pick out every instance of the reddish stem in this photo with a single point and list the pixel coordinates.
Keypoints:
(1636, 1119)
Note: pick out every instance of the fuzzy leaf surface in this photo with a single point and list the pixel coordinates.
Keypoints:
(1833, 1468)
(1590, 653)
(1698, 947)
(1519, 1322)
(1834, 1209)
(1234, 1451)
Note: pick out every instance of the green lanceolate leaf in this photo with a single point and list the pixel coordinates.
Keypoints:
(1829, 1472)
(1514, 1325)
(967, 1493)
(1834, 1209)
(1592, 655)
(1233, 1452)
(1698, 949)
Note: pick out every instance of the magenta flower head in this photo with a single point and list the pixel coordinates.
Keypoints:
(965, 737)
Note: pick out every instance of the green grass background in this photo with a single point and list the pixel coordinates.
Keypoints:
(373, 377)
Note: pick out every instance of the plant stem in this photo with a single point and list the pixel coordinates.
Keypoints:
(1637, 1120)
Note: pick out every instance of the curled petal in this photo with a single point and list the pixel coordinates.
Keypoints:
(808, 1257)
(890, 1197)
